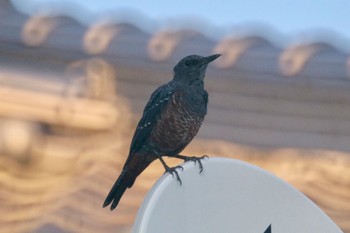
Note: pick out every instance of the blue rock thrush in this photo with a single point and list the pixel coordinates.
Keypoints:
(171, 118)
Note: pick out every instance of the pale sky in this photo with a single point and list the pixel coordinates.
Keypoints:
(287, 17)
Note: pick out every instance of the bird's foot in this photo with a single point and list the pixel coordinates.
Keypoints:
(195, 160)
(172, 171)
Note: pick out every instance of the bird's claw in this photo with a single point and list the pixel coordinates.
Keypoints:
(172, 171)
(197, 159)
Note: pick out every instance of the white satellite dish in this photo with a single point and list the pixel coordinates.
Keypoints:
(229, 196)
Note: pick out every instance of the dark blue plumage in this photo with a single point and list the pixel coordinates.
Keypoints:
(170, 120)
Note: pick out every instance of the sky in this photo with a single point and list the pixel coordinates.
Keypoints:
(298, 18)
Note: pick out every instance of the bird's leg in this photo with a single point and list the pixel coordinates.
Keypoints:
(171, 170)
(193, 159)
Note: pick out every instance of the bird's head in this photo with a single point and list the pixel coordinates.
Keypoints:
(192, 68)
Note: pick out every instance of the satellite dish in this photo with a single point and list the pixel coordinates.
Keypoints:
(228, 196)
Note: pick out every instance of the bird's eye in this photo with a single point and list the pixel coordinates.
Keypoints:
(188, 63)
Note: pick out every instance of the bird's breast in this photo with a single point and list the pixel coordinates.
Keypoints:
(178, 124)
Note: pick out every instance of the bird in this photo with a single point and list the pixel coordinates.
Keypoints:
(170, 120)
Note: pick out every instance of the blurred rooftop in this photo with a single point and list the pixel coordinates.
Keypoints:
(297, 94)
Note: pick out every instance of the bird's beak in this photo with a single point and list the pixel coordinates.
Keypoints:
(206, 60)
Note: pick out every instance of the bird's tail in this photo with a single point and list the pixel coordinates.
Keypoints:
(126, 179)
(117, 190)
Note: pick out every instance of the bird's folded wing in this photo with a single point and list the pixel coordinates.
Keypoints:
(151, 114)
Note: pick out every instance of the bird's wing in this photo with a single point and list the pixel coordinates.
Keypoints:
(151, 114)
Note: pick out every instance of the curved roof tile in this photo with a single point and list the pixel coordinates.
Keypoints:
(233, 48)
(163, 43)
(98, 37)
(294, 58)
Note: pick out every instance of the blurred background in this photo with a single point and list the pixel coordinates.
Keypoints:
(75, 76)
